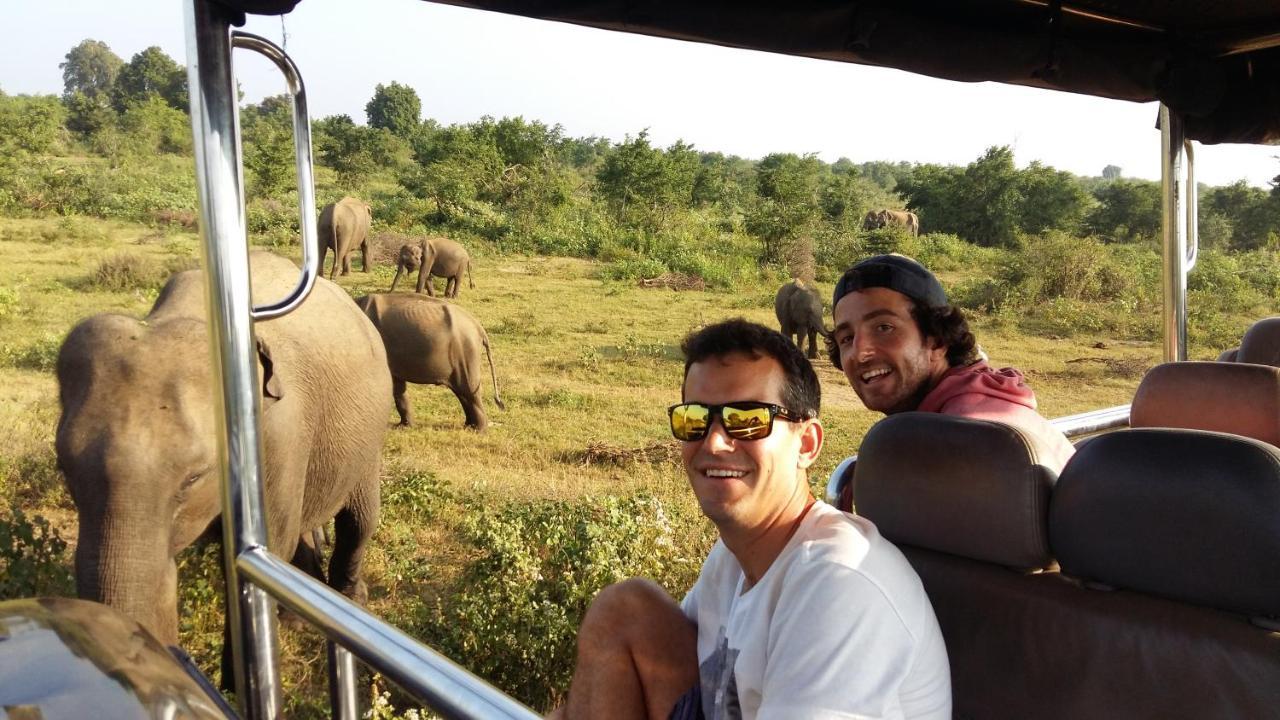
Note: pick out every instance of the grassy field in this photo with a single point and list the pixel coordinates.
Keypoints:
(586, 367)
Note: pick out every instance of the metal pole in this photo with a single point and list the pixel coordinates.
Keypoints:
(1174, 216)
(215, 124)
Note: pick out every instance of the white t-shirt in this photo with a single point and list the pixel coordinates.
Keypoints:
(838, 627)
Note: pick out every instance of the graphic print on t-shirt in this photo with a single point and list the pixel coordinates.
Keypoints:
(719, 686)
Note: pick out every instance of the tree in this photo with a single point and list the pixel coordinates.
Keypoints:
(786, 207)
(1051, 200)
(267, 129)
(638, 181)
(1127, 209)
(1112, 172)
(395, 107)
(148, 73)
(30, 123)
(90, 69)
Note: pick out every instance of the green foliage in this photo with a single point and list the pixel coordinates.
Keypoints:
(395, 107)
(152, 125)
(30, 124)
(33, 558)
(40, 355)
(1127, 210)
(787, 202)
(268, 146)
(147, 74)
(90, 70)
(515, 614)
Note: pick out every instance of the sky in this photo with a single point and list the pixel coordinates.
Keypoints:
(465, 64)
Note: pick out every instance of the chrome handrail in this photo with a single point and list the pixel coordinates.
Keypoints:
(1073, 426)
(1193, 207)
(1174, 246)
(447, 688)
(303, 163)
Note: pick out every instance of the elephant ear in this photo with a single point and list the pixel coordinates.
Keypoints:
(272, 388)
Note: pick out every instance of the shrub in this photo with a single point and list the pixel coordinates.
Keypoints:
(516, 612)
(33, 558)
(122, 272)
(41, 355)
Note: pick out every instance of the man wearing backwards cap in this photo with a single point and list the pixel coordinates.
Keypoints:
(904, 347)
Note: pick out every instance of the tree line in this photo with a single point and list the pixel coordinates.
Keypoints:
(527, 184)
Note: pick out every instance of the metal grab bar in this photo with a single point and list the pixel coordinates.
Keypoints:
(303, 163)
(1073, 426)
(1193, 208)
(1094, 421)
(446, 687)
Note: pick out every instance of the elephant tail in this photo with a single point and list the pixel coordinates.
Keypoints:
(471, 280)
(493, 370)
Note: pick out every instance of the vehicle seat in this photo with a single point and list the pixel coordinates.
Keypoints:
(1261, 343)
(964, 501)
(1238, 398)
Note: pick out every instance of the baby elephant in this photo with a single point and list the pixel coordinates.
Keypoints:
(432, 342)
(799, 310)
(407, 262)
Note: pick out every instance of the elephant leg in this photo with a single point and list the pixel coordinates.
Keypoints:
(364, 256)
(346, 263)
(471, 405)
(398, 387)
(451, 287)
(431, 289)
(813, 343)
(396, 279)
(353, 526)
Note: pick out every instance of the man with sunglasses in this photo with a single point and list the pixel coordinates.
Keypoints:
(904, 347)
(800, 610)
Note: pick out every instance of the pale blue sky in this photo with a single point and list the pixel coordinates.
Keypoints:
(465, 64)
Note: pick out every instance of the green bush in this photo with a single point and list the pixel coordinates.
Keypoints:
(515, 615)
(41, 355)
(122, 272)
(33, 558)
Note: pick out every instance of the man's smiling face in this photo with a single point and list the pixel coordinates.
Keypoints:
(744, 483)
(890, 365)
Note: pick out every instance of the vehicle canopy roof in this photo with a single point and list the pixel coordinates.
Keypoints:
(1215, 62)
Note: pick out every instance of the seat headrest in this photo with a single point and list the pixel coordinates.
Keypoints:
(1261, 343)
(971, 488)
(1236, 398)
(1182, 514)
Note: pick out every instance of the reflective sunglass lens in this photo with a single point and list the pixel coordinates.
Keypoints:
(689, 422)
(746, 423)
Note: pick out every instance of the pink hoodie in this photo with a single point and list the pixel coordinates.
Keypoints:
(976, 391)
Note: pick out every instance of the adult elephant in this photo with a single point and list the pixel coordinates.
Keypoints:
(431, 341)
(877, 219)
(344, 226)
(442, 257)
(799, 310)
(135, 440)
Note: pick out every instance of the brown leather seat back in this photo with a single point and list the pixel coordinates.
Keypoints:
(1238, 398)
(1261, 343)
(1184, 515)
(967, 487)
(1040, 644)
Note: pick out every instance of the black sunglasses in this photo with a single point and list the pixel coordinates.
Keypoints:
(745, 420)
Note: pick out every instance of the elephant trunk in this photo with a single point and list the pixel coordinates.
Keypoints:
(124, 565)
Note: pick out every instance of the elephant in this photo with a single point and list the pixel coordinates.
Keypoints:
(444, 258)
(408, 260)
(344, 225)
(430, 341)
(876, 219)
(799, 310)
(135, 438)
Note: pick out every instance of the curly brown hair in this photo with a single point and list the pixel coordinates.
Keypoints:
(947, 325)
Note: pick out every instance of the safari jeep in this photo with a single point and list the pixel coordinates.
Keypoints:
(1143, 582)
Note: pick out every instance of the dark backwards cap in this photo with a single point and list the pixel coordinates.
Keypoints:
(895, 272)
